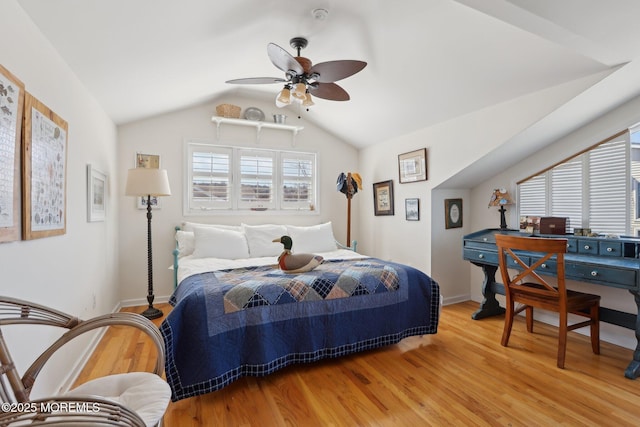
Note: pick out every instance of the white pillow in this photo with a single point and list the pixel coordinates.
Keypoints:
(186, 242)
(260, 239)
(212, 242)
(317, 238)
(189, 226)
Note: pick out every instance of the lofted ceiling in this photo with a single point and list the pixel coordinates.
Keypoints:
(429, 61)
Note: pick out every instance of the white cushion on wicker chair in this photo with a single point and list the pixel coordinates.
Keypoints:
(143, 392)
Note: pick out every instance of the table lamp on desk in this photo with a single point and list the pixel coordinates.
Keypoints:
(500, 197)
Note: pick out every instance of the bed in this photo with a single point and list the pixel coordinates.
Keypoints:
(235, 314)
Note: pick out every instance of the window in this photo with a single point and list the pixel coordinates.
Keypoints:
(223, 178)
(591, 189)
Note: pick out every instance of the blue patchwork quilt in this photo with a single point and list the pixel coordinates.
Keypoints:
(253, 321)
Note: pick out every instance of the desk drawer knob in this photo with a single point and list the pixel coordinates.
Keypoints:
(481, 256)
(594, 273)
(609, 249)
(587, 247)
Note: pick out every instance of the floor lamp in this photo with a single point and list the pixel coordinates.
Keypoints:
(144, 182)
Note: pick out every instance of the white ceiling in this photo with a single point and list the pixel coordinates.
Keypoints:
(429, 61)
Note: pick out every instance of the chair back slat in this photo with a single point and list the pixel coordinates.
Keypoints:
(17, 392)
(528, 279)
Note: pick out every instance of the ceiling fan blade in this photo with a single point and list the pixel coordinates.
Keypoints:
(330, 91)
(283, 59)
(256, 81)
(332, 71)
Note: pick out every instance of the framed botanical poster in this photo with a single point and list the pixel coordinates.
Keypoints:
(412, 209)
(11, 110)
(383, 198)
(147, 161)
(44, 172)
(96, 195)
(453, 213)
(412, 166)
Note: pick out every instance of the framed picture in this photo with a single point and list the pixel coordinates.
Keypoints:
(44, 171)
(412, 166)
(96, 195)
(383, 198)
(453, 213)
(412, 209)
(148, 161)
(11, 111)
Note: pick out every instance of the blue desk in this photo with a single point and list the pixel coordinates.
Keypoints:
(606, 262)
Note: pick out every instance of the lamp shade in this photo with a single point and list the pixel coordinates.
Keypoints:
(147, 182)
(500, 197)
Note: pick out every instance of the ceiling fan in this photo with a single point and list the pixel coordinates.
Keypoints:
(302, 79)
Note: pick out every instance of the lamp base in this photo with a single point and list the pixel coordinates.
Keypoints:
(152, 313)
(503, 220)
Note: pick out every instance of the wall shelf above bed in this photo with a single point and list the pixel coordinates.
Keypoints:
(258, 125)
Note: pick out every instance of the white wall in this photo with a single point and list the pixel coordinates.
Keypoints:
(585, 137)
(451, 147)
(75, 272)
(165, 135)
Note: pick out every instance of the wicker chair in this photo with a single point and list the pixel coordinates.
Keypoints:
(129, 399)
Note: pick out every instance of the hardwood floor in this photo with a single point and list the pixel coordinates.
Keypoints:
(460, 376)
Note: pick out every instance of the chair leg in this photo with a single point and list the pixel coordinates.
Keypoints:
(508, 323)
(529, 314)
(595, 328)
(562, 339)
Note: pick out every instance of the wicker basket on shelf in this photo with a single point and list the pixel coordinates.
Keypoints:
(228, 111)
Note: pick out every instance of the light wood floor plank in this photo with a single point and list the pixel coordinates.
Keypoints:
(460, 376)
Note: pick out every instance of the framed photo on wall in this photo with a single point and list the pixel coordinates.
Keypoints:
(96, 195)
(383, 198)
(412, 209)
(148, 161)
(11, 111)
(453, 213)
(412, 166)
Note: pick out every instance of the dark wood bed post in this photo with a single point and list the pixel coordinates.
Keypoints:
(349, 196)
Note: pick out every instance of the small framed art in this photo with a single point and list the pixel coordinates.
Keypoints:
(96, 194)
(453, 213)
(383, 198)
(412, 209)
(412, 166)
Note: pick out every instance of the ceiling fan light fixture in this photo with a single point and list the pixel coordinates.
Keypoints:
(307, 101)
(284, 97)
(299, 91)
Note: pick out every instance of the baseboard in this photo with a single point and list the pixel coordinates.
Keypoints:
(456, 299)
(142, 301)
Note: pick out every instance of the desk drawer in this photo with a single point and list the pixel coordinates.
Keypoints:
(490, 257)
(587, 247)
(610, 249)
(550, 266)
(484, 257)
(620, 278)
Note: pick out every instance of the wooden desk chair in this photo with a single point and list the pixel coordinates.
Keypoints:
(539, 293)
(127, 399)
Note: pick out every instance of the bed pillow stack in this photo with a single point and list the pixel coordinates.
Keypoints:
(251, 241)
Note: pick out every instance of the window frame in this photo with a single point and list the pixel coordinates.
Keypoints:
(276, 206)
(586, 161)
